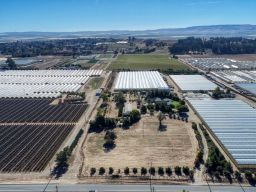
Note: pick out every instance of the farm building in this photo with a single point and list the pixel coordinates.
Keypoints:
(232, 124)
(187, 83)
(127, 108)
(140, 81)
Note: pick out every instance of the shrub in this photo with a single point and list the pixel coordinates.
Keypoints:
(110, 171)
(93, 171)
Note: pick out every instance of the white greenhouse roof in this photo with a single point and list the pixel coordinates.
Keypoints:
(42, 83)
(250, 87)
(193, 82)
(140, 80)
(234, 124)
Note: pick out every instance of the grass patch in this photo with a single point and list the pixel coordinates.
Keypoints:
(176, 104)
(93, 61)
(96, 82)
(147, 62)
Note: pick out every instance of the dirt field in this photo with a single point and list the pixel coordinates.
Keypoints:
(50, 61)
(143, 144)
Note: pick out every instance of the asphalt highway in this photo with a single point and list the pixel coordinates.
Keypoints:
(120, 188)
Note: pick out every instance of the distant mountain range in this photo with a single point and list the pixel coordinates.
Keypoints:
(248, 31)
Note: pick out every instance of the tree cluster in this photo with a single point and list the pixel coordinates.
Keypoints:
(218, 45)
(102, 123)
(109, 138)
(63, 156)
(64, 47)
(216, 164)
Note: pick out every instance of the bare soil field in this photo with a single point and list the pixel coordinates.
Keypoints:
(143, 144)
(50, 61)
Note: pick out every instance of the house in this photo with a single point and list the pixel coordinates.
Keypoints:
(127, 109)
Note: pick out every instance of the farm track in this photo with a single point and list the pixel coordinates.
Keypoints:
(32, 131)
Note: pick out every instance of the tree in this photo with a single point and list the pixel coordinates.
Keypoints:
(119, 99)
(62, 158)
(135, 171)
(248, 176)
(160, 117)
(160, 171)
(191, 175)
(109, 144)
(186, 171)
(11, 63)
(110, 135)
(143, 171)
(102, 171)
(182, 109)
(152, 170)
(104, 97)
(168, 171)
(177, 170)
(134, 116)
(143, 109)
(238, 175)
(110, 171)
(126, 171)
(93, 171)
(194, 126)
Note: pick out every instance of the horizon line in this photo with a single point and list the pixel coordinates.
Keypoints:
(106, 30)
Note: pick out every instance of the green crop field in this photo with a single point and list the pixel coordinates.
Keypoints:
(147, 62)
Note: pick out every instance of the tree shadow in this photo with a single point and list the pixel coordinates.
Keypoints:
(162, 128)
(57, 172)
(108, 148)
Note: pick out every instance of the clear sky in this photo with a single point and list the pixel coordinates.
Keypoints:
(88, 15)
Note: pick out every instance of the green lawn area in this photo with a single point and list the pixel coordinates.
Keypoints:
(176, 104)
(147, 62)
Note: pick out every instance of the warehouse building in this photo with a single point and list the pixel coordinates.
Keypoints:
(140, 81)
(192, 83)
(232, 124)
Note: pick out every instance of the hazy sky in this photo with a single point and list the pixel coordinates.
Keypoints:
(82, 15)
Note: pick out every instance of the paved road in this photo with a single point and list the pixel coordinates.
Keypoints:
(120, 188)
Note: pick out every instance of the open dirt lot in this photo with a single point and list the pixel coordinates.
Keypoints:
(143, 144)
